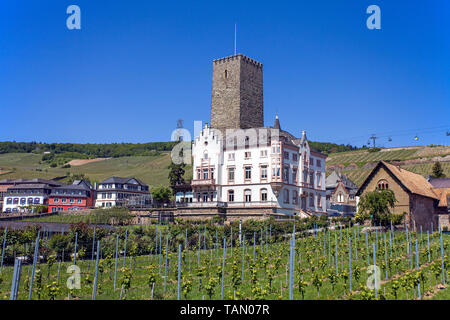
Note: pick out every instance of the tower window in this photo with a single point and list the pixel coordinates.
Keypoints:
(226, 74)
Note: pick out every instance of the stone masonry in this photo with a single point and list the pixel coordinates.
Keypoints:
(237, 93)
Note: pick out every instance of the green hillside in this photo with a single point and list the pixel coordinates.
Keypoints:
(150, 169)
(358, 164)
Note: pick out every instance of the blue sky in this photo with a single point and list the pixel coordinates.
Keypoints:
(135, 67)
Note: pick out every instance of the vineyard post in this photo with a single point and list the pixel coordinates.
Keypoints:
(243, 258)
(348, 230)
(291, 269)
(442, 260)
(36, 250)
(231, 241)
(115, 264)
(350, 261)
(407, 241)
(93, 249)
(324, 242)
(335, 248)
(75, 250)
(261, 241)
(186, 240)
(204, 238)
(179, 271)
(385, 255)
(16, 279)
(223, 265)
(375, 269)
(240, 232)
(410, 251)
(94, 291)
(198, 255)
(267, 243)
(390, 244)
(417, 265)
(428, 245)
(165, 265)
(367, 247)
(160, 251)
(125, 248)
(376, 238)
(356, 246)
(59, 270)
(254, 244)
(3, 249)
(421, 236)
(432, 227)
(270, 235)
(217, 248)
(329, 247)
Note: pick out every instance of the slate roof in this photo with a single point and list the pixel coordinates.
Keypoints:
(440, 182)
(122, 180)
(334, 177)
(31, 181)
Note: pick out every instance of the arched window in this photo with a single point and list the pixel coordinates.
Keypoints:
(247, 195)
(383, 185)
(264, 194)
(340, 197)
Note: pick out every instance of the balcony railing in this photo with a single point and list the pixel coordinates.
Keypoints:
(252, 204)
(207, 204)
(221, 204)
(203, 182)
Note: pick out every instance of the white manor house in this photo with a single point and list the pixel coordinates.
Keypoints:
(240, 166)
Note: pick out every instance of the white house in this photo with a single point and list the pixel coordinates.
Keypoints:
(116, 191)
(264, 168)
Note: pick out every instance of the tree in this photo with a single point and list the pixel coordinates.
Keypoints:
(437, 171)
(161, 194)
(176, 174)
(376, 205)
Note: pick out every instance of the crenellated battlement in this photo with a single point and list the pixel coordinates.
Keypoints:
(239, 56)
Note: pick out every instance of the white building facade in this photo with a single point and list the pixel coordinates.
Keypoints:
(117, 191)
(263, 168)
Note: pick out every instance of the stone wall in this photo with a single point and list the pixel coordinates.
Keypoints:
(403, 201)
(422, 213)
(444, 221)
(237, 93)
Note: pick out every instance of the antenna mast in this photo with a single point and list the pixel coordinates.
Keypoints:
(235, 28)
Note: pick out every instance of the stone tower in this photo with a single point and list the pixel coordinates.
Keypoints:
(237, 93)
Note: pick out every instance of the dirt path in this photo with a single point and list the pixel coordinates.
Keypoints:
(80, 162)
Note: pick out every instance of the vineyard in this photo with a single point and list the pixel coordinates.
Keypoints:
(309, 260)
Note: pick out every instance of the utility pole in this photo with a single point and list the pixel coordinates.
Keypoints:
(373, 137)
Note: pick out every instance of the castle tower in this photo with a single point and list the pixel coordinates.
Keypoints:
(237, 93)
